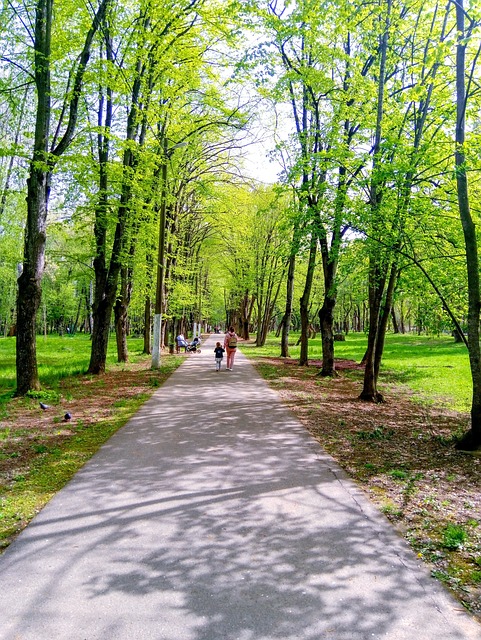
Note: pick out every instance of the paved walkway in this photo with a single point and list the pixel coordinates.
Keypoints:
(212, 515)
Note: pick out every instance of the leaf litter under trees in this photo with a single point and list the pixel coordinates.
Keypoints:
(401, 454)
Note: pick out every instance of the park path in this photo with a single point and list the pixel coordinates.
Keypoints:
(213, 515)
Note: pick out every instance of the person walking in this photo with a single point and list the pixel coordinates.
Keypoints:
(219, 354)
(230, 345)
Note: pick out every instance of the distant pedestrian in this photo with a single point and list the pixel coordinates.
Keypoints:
(219, 354)
(230, 344)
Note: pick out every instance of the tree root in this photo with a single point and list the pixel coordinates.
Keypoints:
(377, 397)
(471, 441)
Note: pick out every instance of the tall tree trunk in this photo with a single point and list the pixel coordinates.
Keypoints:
(384, 317)
(472, 439)
(326, 320)
(326, 313)
(304, 302)
(394, 320)
(246, 308)
(286, 321)
(121, 308)
(38, 185)
(38, 189)
(376, 268)
(106, 278)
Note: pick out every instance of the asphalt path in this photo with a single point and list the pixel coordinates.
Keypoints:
(213, 515)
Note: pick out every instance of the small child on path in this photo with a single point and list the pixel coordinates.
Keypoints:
(219, 354)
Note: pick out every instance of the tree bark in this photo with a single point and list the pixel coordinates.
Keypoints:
(304, 301)
(286, 322)
(472, 439)
(38, 186)
(326, 320)
(121, 308)
(106, 279)
(376, 277)
(384, 317)
(394, 319)
(38, 189)
(326, 312)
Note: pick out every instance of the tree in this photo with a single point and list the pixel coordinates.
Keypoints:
(160, 33)
(47, 149)
(472, 439)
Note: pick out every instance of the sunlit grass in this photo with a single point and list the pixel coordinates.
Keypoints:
(57, 358)
(45, 467)
(436, 368)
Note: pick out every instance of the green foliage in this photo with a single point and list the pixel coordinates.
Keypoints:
(378, 433)
(399, 474)
(454, 537)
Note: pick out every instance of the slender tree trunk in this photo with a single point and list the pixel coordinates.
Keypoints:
(326, 312)
(376, 291)
(472, 439)
(286, 322)
(38, 191)
(38, 185)
(384, 318)
(326, 320)
(395, 323)
(77, 317)
(106, 279)
(121, 308)
(304, 302)
(100, 334)
(247, 306)
(376, 268)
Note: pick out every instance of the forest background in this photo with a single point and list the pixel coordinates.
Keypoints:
(127, 207)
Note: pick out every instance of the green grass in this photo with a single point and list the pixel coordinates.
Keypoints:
(50, 466)
(435, 368)
(57, 358)
(52, 469)
(454, 536)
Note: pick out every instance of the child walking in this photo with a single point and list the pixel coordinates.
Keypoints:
(219, 354)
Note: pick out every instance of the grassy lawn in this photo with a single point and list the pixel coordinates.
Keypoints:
(39, 450)
(435, 368)
(57, 358)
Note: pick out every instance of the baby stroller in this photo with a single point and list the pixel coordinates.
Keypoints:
(194, 346)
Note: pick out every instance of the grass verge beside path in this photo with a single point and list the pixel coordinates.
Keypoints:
(40, 451)
(400, 453)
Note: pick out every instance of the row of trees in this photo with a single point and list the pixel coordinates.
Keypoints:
(136, 120)
(379, 102)
(102, 112)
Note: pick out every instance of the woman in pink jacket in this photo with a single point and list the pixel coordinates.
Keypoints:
(230, 346)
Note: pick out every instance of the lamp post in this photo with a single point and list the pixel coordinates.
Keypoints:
(159, 290)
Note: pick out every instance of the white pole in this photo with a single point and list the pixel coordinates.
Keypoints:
(156, 345)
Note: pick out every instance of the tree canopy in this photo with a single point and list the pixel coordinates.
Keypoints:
(125, 193)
